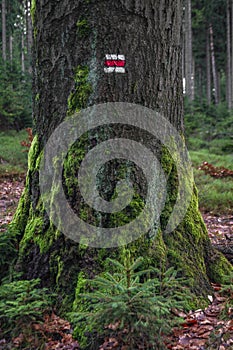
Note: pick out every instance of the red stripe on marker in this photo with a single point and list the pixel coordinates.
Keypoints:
(114, 63)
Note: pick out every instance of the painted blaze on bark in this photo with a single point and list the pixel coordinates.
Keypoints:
(71, 41)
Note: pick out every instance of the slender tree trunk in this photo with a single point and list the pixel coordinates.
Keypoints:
(208, 68)
(200, 84)
(229, 60)
(193, 80)
(22, 53)
(188, 51)
(183, 61)
(219, 86)
(231, 39)
(11, 47)
(214, 70)
(4, 30)
(71, 42)
(29, 28)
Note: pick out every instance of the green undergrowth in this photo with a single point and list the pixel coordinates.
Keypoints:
(112, 305)
(13, 159)
(22, 304)
(215, 194)
(209, 139)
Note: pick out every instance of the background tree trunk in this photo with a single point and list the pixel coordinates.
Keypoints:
(11, 47)
(188, 52)
(229, 61)
(214, 70)
(22, 52)
(4, 30)
(29, 34)
(231, 39)
(71, 41)
(208, 68)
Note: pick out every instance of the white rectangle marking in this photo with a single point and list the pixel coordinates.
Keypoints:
(120, 70)
(109, 69)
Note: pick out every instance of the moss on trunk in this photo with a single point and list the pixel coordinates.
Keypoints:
(72, 40)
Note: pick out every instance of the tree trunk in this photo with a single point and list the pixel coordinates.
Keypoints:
(22, 53)
(11, 47)
(4, 30)
(214, 70)
(189, 83)
(29, 34)
(193, 79)
(71, 41)
(229, 61)
(231, 36)
(208, 68)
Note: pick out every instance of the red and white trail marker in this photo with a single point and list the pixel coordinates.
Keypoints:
(114, 63)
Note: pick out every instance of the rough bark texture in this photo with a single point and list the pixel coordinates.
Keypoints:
(71, 39)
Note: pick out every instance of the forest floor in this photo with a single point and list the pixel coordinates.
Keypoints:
(202, 329)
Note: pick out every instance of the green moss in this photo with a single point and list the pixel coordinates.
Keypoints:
(35, 231)
(188, 247)
(83, 28)
(33, 154)
(21, 214)
(20, 219)
(33, 17)
(80, 305)
(60, 266)
(33, 11)
(79, 97)
(129, 213)
(219, 267)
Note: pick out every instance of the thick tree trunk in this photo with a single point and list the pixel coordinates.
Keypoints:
(71, 41)
(4, 30)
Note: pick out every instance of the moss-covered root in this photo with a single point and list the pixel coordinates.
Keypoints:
(190, 250)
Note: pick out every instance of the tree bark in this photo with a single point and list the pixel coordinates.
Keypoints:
(208, 68)
(11, 48)
(29, 34)
(231, 39)
(4, 30)
(71, 41)
(22, 53)
(214, 69)
(229, 61)
(189, 79)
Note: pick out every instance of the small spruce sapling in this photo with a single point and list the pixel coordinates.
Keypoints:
(133, 305)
